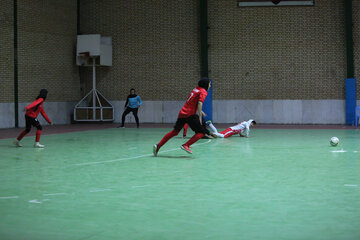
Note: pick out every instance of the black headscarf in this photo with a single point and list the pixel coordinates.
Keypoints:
(204, 83)
(42, 94)
(132, 95)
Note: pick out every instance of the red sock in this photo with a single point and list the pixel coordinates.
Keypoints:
(185, 129)
(38, 133)
(194, 139)
(167, 137)
(22, 134)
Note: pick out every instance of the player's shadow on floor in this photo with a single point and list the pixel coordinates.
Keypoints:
(175, 157)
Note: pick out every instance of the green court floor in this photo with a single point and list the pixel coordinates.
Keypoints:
(105, 184)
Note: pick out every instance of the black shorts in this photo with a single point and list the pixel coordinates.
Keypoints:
(193, 121)
(32, 122)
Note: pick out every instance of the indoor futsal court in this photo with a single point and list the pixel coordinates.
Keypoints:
(179, 120)
(279, 184)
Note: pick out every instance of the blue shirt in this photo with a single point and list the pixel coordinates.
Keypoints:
(133, 102)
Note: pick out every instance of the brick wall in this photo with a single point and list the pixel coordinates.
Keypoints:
(255, 53)
(7, 51)
(277, 52)
(356, 39)
(155, 46)
(46, 40)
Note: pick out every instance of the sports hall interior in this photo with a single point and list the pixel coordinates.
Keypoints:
(287, 67)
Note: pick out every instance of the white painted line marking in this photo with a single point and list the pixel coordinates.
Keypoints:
(350, 185)
(129, 158)
(53, 194)
(115, 160)
(100, 190)
(9, 197)
(140, 186)
(339, 151)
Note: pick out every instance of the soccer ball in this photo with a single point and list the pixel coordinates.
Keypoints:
(334, 141)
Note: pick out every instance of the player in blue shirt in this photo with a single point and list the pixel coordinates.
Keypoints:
(133, 103)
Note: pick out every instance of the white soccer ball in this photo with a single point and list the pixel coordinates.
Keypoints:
(334, 141)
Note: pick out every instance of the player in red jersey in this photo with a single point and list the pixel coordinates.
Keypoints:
(190, 113)
(32, 111)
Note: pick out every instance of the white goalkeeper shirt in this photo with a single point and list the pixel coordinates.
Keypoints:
(243, 127)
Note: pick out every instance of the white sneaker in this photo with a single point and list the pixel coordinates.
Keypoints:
(155, 150)
(219, 135)
(38, 145)
(17, 143)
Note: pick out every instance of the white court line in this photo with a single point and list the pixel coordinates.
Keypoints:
(140, 186)
(53, 194)
(109, 161)
(100, 190)
(350, 185)
(129, 158)
(10, 197)
(339, 151)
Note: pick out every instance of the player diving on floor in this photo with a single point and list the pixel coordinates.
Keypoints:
(242, 128)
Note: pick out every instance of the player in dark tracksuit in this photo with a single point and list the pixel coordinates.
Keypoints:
(133, 103)
(190, 113)
(32, 111)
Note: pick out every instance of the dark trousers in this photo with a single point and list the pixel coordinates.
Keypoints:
(194, 123)
(127, 111)
(203, 125)
(32, 122)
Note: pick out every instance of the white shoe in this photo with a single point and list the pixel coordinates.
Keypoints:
(219, 135)
(17, 143)
(155, 150)
(38, 145)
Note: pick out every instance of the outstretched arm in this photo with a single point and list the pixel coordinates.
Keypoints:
(43, 113)
(199, 110)
(247, 130)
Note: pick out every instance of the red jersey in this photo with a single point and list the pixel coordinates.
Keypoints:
(190, 107)
(35, 108)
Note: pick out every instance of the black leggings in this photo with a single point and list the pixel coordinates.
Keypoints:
(194, 123)
(127, 111)
(32, 122)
